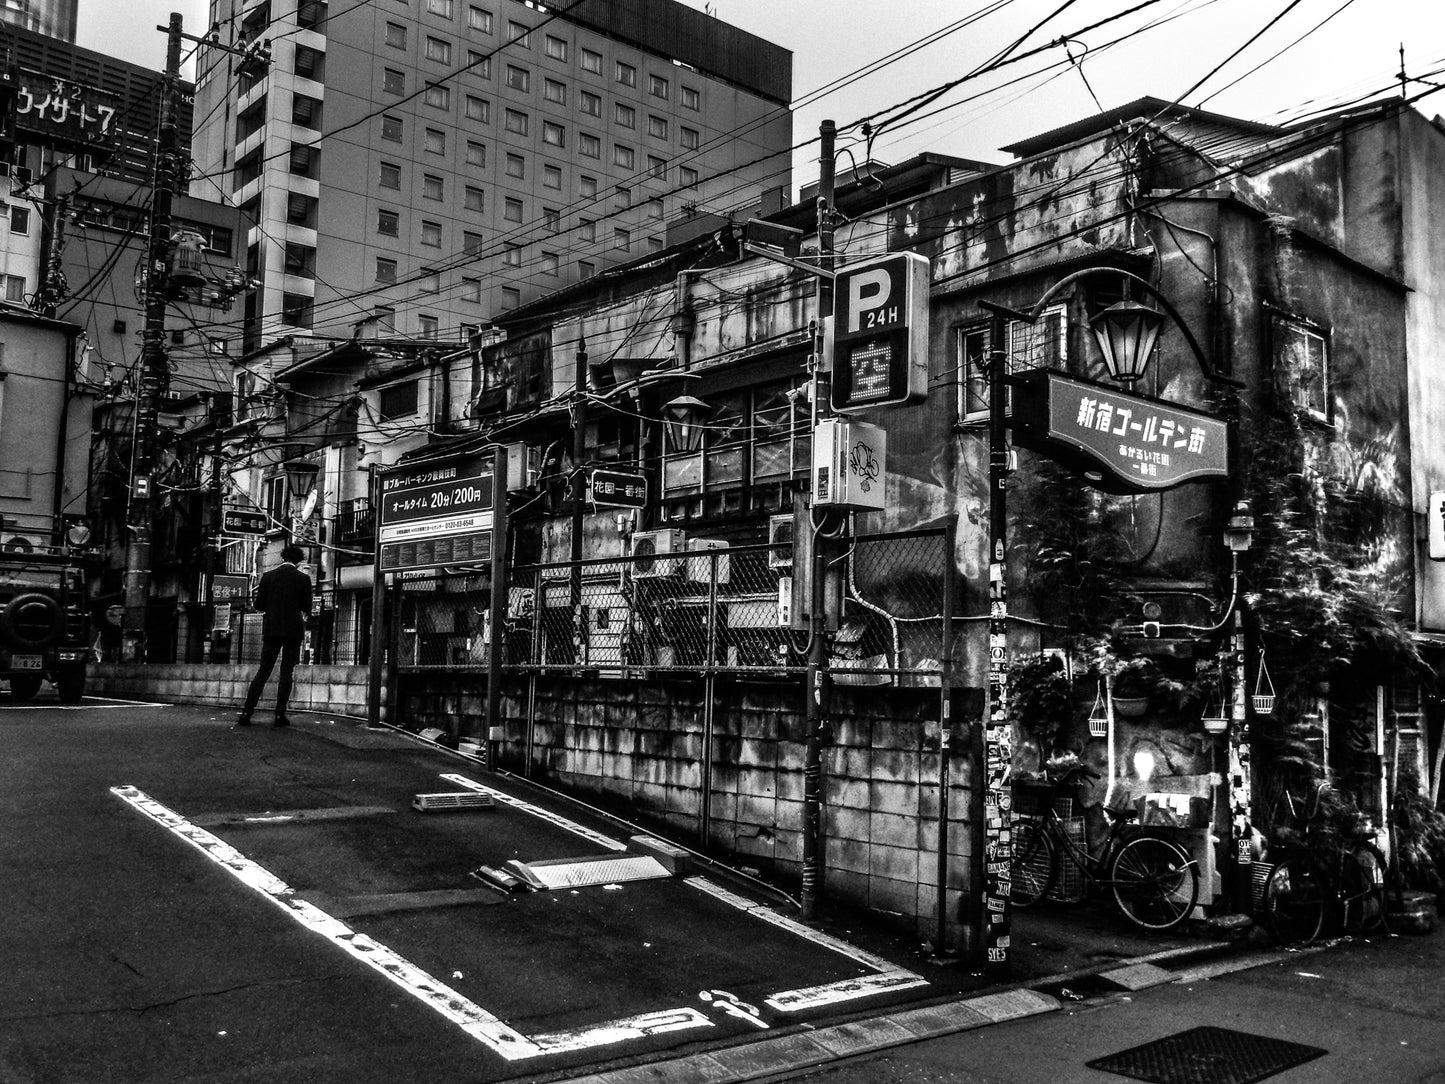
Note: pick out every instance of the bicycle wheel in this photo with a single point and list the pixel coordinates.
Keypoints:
(1362, 890)
(1035, 863)
(1294, 901)
(1155, 882)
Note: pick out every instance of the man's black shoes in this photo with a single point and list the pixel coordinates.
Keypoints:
(243, 720)
(281, 720)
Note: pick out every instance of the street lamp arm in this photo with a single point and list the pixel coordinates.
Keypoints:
(1144, 284)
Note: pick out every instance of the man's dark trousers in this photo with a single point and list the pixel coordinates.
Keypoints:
(289, 650)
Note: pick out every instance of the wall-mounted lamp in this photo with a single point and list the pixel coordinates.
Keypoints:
(684, 417)
(1126, 333)
(1239, 531)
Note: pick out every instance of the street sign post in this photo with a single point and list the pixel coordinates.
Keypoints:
(243, 522)
(616, 489)
(880, 333)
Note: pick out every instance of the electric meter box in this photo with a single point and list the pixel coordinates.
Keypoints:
(880, 333)
(848, 465)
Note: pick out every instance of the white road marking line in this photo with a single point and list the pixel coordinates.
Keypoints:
(110, 705)
(537, 811)
(470, 1017)
(889, 975)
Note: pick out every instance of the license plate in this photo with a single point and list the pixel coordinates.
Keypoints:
(27, 662)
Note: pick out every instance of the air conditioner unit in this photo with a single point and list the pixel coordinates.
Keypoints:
(647, 549)
(780, 541)
(701, 569)
(4, 169)
(24, 174)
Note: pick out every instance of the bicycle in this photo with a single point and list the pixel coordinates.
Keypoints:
(1298, 894)
(1153, 880)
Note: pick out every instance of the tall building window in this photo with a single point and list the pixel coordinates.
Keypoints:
(624, 115)
(472, 243)
(479, 109)
(431, 234)
(519, 78)
(623, 156)
(390, 128)
(688, 137)
(393, 81)
(471, 289)
(476, 154)
(554, 91)
(515, 121)
(552, 219)
(656, 126)
(300, 260)
(621, 239)
(553, 134)
(479, 19)
(654, 208)
(309, 62)
(512, 256)
(430, 281)
(552, 177)
(388, 222)
(435, 141)
(587, 229)
(589, 103)
(511, 297)
(589, 146)
(427, 326)
(549, 263)
(479, 64)
(657, 86)
(1301, 353)
(474, 198)
(516, 166)
(438, 49)
(398, 401)
(390, 175)
(296, 310)
(556, 48)
(626, 74)
(690, 98)
(687, 176)
(656, 166)
(586, 269)
(440, 7)
(396, 35)
(431, 186)
(438, 97)
(305, 111)
(305, 161)
(591, 62)
(512, 210)
(520, 33)
(587, 186)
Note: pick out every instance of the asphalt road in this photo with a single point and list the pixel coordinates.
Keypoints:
(188, 901)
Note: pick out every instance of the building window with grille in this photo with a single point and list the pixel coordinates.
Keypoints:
(398, 401)
(388, 223)
(305, 111)
(390, 128)
(393, 81)
(385, 269)
(390, 175)
(396, 35)
(1301, 359)
(309, 63)
(1043, 344)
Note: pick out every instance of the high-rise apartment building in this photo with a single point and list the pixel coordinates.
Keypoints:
(413, 166)
(53, 18)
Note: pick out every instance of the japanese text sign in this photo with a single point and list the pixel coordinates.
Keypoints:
(1131, 443)
(44, 103)
(437, 513)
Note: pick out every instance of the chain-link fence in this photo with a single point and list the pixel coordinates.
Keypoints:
(896, 589)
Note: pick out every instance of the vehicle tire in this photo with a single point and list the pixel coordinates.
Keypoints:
(24, 687)
(1362, 888)
(1293, 902)
(1035, 863)
(31, 621)
(1155, 882)
(70, 686)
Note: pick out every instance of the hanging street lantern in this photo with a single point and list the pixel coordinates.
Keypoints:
(684, 416)
(1126, 333)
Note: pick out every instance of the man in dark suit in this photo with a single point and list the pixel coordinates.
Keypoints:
(284, 597)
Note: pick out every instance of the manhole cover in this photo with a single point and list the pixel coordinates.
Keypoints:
(1207, 1056)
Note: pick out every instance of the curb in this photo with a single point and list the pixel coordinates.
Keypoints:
(811, 1047)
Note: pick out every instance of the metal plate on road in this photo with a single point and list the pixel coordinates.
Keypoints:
(1207, 1055)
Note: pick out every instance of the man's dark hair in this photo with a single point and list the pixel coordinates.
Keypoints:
(292, 554)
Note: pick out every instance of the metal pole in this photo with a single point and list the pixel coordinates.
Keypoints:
(375, 690)
(154, 372)
(945, 736)
(578, 493)
(1239, 774)
(998, 742)
(709, 689)
(498, 614)
(816, 678)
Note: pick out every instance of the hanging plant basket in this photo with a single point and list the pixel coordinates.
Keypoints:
(1263, 699)
(1098, 717)
(1130, 707)
(1215, 719)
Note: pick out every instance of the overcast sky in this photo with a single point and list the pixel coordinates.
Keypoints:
(1168, 47)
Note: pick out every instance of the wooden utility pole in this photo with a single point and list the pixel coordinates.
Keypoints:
(154, 375)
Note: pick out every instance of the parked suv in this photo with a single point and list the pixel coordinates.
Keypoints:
(44, 626)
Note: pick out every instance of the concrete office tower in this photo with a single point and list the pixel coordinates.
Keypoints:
(410, 167)
(53, 18)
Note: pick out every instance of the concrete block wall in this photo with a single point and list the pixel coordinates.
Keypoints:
(339, 689)
(636, 747)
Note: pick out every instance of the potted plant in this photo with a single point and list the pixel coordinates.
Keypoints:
(1041, 701)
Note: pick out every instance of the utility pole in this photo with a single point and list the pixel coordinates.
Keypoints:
(817, 678)
(154, 375)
